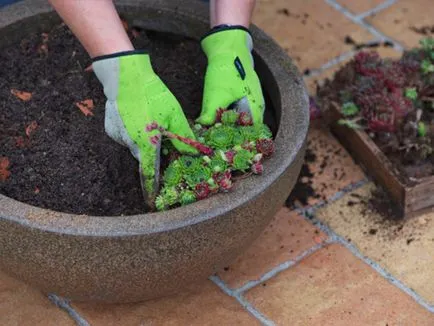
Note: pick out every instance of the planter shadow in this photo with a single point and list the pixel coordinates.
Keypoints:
(134, 258)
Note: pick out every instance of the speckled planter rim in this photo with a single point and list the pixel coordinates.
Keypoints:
(280, 78)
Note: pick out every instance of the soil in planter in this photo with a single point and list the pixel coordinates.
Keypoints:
(388, 97)
(58, 157)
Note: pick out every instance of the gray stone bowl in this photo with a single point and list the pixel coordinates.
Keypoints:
(134, 258)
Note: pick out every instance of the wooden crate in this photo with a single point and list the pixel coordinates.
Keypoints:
(411, 200)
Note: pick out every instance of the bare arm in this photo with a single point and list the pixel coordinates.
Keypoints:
(231, 12)
(96, 24)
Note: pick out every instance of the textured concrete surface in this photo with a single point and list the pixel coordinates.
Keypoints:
(133, 258)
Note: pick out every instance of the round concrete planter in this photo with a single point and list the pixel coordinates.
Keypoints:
(133, 258)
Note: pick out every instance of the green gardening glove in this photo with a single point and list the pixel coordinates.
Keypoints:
(136, 98)
(230, 77)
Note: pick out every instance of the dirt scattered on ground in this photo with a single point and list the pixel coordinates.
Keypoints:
(303, 189)
(382, 219)
(423, 30)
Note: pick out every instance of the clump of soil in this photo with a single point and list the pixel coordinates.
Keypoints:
(58, 157)
(393, 101)
(303, 189)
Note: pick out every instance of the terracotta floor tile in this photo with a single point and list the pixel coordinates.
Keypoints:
(206, 305)
(21, 305)
(360, 6)
(312, 82)
(311, 31)
(333, 287)
(398, 20)
(333, 168)
(405, 249)
(287, 236)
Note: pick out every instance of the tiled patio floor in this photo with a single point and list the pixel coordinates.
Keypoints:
(327, 263)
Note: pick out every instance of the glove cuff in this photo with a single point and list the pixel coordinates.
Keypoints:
(225, 27)
(134, 66)
(118, 54)
(226, 39)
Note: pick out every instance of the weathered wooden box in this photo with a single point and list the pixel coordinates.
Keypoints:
(413, 199)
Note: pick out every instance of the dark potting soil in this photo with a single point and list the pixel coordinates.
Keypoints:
(66, 162)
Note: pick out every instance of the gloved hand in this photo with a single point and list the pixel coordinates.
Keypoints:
(230, 76)
(136, 97)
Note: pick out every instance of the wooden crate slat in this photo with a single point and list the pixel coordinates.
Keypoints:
(411, 199)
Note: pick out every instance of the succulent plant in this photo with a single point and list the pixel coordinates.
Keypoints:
(229, 118)
(249, 133)
(257, 168)
(189, 164)
(224, 180)
(421, 129)
(220, 137)
(160, 203)
(265, 147)
(245, 119)
(202, 190)
(187, 197)
(201, 174)
(238, 138)
(173, 174)
(230, 145)
(219, 114)
(263, 131)
(349, 109)
(228, 156)
(242, 160)
(411, 93)
(170, 195)
(217, 164)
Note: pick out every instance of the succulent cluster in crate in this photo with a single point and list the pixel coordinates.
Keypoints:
(391, 98)
(232, 148)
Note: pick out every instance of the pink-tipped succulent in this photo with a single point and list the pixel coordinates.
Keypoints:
(229, 155)
(224, 180)
(265, 147)
(152, 126)
(221, 157)
(257, 168)
(155, 139)
(219, 115)
(191, 142)
(202, 190)
(245, 119)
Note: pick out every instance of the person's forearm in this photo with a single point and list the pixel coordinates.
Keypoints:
(231, 12)
(96, 24)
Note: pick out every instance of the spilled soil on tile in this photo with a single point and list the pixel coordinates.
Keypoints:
(303, 189)
(381, 221)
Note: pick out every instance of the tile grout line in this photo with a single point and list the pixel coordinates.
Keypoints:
(311, 217)
(64, 304)
(336, 196)
(242, 301)
(280, 268)
(238, 293)
(377, 9)
(336, 60)
(359, 21)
